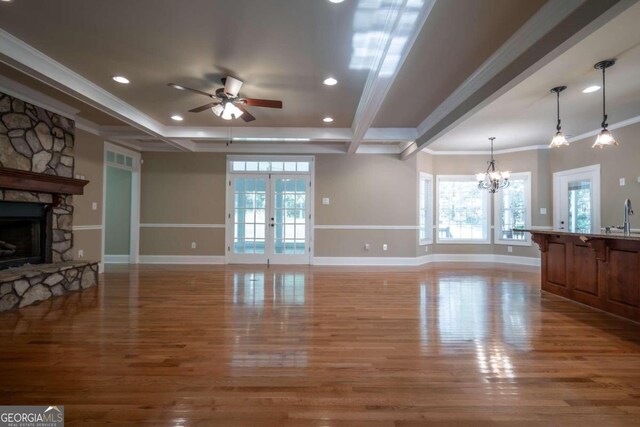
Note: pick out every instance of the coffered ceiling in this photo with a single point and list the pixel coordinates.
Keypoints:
(405, 68)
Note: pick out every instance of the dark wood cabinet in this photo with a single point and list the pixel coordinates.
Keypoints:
(599, 270)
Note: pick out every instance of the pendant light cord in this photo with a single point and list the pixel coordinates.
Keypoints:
(604, 100)
(558, 109)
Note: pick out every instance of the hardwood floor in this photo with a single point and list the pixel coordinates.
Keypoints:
(299, 346)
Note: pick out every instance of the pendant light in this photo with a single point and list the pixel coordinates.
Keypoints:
(493, 179)
(558, 139)
(604, 137)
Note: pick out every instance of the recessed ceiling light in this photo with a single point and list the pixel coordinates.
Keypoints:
(327, 119)
(177, 118)
(175, 86)
(336, 1)
(590, 89)
(330, 81)
(121, 79)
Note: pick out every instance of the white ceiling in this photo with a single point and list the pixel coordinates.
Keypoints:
(526, 115)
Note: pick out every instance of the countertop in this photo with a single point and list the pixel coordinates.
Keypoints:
(613, 235)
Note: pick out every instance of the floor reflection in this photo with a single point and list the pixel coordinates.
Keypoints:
(470, 309)
(272, 308)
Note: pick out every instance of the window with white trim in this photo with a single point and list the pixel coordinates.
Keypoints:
(513, 210)
(463, 210)
(425, 208)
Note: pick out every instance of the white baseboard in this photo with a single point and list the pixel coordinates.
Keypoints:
(491, 258)
(381, 261)
(116, 259)
(427, 259)
(181, 259)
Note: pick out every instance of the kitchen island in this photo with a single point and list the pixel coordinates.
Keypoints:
(601, 270)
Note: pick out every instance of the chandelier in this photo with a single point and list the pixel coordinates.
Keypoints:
(493, 179)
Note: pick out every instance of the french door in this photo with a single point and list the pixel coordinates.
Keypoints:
(269, 219)
(576, 200)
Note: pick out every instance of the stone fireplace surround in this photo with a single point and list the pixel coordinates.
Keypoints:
(40, 142)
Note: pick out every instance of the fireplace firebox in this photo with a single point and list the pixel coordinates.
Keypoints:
(25, 234)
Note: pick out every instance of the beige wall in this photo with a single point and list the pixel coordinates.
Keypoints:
(615, 163)
(89, 153)
(182, 188)
(365, 190)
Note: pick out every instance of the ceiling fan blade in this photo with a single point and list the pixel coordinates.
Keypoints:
(203, 107)
(232, 86)
(252, 102)
(246, 116)
(180, 87)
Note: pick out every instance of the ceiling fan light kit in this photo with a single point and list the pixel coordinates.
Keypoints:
(227, 103)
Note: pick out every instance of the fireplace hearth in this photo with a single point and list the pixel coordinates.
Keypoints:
(25, 234)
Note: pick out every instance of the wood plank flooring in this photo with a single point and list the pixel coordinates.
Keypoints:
(299, 346)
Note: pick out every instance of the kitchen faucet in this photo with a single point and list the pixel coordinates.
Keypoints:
(628, 211)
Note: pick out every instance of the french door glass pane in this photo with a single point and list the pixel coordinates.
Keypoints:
(579, 206)
(250, 215)
(290, 222)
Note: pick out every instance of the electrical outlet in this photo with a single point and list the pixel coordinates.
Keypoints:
(193, 245)
(80, 253)
(326, 201)
(622, 182)
(94, 206)
(509, 248)
(384, 247)
(426, 249)
(543, 211)
(367, 246)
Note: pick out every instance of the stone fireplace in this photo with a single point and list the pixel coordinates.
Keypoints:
(36, 205)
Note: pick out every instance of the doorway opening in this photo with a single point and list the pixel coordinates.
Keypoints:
(121, 207)
(576, 200)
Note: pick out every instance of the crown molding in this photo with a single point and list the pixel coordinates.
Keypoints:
(32, 96)
(484, 152)
(583, 136)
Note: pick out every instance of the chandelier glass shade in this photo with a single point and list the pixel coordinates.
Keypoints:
(493, 179)
(605, 138)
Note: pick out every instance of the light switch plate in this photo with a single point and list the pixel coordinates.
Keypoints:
(385, 247)
(622, 182)
(543, 211)
(94, 206)
(325, 201)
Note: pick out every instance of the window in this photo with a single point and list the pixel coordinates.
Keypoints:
(270, 166)
(463, 210)
(513, 210)
(425, 208)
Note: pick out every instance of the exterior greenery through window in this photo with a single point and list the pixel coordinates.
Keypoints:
(513, 210)
(425, 208)
(463, 210)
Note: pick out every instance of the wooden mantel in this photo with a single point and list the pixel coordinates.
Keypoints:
(13, 179)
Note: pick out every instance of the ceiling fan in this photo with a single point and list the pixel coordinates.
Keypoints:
(227, 104)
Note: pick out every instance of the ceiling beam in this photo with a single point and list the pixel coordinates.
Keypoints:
(557, 26)
(387, 60)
